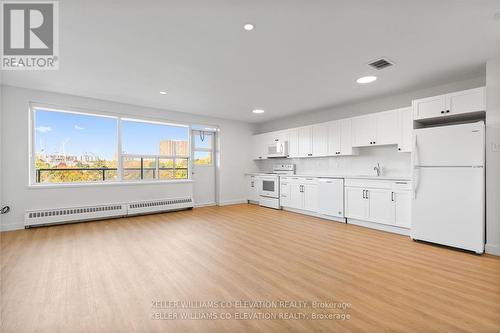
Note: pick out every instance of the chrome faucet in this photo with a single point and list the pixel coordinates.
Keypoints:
(378, 169)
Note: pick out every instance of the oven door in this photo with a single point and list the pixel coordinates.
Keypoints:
(269, 187)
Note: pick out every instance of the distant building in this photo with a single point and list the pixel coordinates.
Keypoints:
(58, 159)
(89, 158)
(174, 148)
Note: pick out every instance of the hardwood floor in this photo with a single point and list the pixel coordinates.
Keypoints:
(104, 276)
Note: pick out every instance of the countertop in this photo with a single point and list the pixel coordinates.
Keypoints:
(346, 176)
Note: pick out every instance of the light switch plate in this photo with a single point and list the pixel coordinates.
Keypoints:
(495, 147)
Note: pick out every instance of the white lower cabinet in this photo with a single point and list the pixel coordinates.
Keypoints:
(253, 188)
(402, 208)
(310, 194)
(285, 191)
(303, 193)
(380, 206)
(356, 206)
(296, 197)
(384, 202)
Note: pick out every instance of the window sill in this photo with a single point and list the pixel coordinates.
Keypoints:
(70, 185)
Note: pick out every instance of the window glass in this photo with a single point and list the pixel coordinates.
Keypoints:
(142, 138)
(73, 147)
(166, 168)
(203, 140)
(203, 158)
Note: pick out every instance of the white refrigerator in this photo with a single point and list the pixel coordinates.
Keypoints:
(449, 186)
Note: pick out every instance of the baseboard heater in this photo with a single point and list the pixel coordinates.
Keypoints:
(99, 212)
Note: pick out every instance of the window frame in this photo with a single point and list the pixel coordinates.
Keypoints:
(32, 179)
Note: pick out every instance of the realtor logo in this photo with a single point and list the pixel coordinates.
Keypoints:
(30, 35)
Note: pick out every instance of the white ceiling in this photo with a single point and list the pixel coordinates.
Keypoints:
(302, 55)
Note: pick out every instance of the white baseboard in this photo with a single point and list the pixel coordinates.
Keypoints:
(378, 226)
(492, 249)
(10, 227)
(305, 212)
(204, 205)
(232, 202)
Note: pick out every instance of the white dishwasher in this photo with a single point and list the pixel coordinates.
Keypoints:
(331, 197)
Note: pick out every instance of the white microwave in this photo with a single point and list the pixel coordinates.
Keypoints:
(277, 149)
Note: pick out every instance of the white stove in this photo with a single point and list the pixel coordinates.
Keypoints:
(270, 184)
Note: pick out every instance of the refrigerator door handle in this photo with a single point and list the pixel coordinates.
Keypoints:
(416, 168)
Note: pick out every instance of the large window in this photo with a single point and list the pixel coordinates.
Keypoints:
(71, 147)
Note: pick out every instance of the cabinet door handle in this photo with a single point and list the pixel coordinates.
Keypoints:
(447, 111)
(251, 184)
(392, 196)
(366, 194)
(363, 194)
(442, 111)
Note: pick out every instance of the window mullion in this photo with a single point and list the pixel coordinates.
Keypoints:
(157, 167)
(119, 157)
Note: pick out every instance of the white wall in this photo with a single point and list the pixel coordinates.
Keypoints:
(492, 158)
(370, 106)
(235, 148)
(392, 163)
(1, 154)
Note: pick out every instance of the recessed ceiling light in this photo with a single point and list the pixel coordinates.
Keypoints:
(366, 79)
(248, 27)
(258, 111)
(163, 92)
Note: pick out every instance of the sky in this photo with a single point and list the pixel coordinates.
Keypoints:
(76, 134)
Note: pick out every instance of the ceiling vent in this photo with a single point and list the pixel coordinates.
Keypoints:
(380, 63)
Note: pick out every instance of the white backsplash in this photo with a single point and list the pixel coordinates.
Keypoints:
(392, 163)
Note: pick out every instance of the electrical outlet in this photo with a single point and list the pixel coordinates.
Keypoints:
(495, 147)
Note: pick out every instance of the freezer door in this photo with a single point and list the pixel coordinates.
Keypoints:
(448, 207)
(456, 145)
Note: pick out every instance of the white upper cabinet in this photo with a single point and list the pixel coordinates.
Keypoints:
(277, 136)
(293, 143)
(320, 139)
(334, 138)
(429, 107)
(406, 130)
(471, 100)
(260, 146)
(383, 128)
(364, 131)
(340, 138)
(305, 141)
(388, 128)
(346, 147)
(459, 102)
